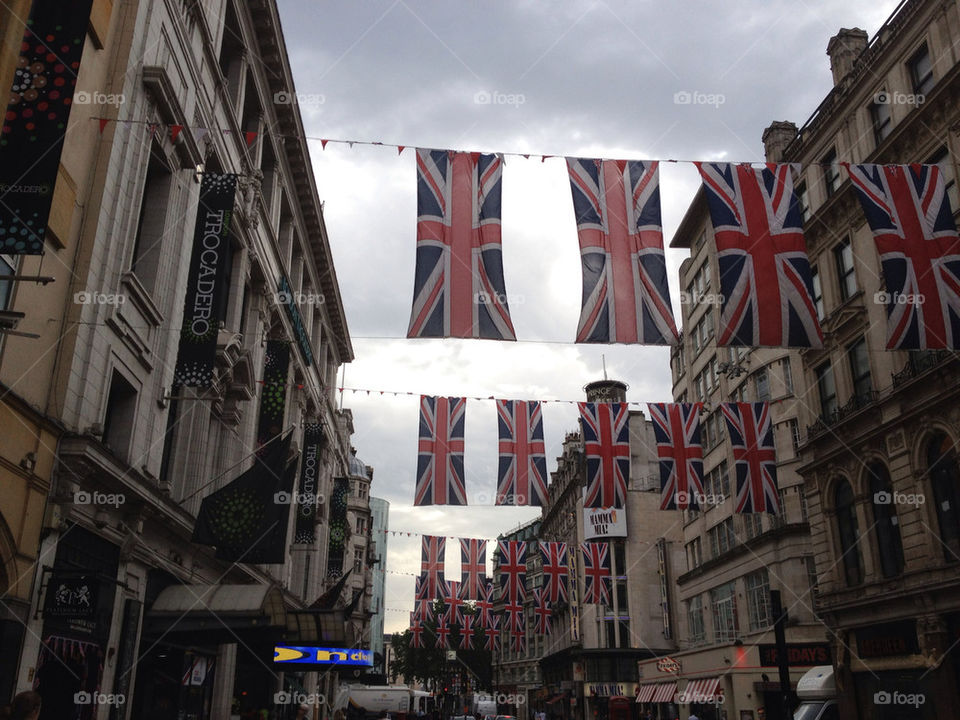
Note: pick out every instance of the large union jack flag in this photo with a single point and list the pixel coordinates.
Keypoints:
(443, 634)
(606, 441)
(492, 633)
(556, 570)
(765, 274)
(512, 557)
(459, 290)
(625, 293)
(440, 459)
(541, 612)
(416, 632)
(518, 642)
(522, 476)
(466, 633)
(912, 222)
(751, 435)
(432, 549)
(513, 615)
(473, 567)
(422, 604)
(596, 572)
(676, 426)
(484, 606)
(453, 603)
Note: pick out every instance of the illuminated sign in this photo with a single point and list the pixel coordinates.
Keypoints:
(312, 655)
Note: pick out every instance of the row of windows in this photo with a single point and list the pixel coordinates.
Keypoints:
(858, 362)
(722, 602)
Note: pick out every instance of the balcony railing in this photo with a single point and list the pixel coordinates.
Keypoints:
(856, 403)
(918, 363)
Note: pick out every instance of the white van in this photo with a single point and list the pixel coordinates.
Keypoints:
(817, 692)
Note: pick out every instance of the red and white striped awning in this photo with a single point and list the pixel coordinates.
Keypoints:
(702, 690)
(646, 692)
(665, 692)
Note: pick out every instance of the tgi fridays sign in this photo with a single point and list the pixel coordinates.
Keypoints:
(668, 665)
(604, 523)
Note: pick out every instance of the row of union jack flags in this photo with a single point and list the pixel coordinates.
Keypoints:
(765, 278)
(522, 474)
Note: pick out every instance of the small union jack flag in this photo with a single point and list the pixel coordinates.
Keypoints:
(523, 461)
(541, 612)
(513, 617)
(473, 567)
(453, 603)
(423, 610)
(459, 290)
(416, 633)
(432, 549)
(676, 426)
(596, 572)
(606, 442)
(625, 294)
(443, 634)
(909, 213)
(440, 459)
(518, 642)
(466, 633)
(765, 274)
(751, 435)
(492, 633)
(484, 605)
(513, 569)
(556, 570)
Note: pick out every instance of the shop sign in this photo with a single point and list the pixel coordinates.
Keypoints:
(888, 640)
(578, 672)
(668, 665)
(312, 655)
(604, 523)
(798, 654)
(74, 597)
(610, 689)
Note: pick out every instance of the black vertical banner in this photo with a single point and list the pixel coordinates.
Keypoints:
(273, 395)
(308, 494)
(338, 527)
(35, 122)
(206, 281)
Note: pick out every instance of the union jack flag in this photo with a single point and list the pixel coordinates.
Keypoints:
(523, 461)
(466, 633)
(492, 633)
(606, 441)
(912, 222)
(676, 427)
(443, 634)
(751, 435)
(484, 605)
(765, 275)
(459, 289)
(453, 603)
(423, 609)
(513, 614)
(473, 567)
(416, 633)
(513, 569)
(541, 612)
(432, 549)
(440, 458)
(555, 570)
(518, 642)
(625, 293)
(596, 572)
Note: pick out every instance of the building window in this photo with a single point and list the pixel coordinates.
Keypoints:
(763, 385)
(723, 601)
(794, 428)
(881, 117)
(722, 537)
(811, 574)
(758, 598)
(886, 524)
(694, 554)
(752, 525)
(151, 225)
(921, 71)
(695, 620)
(817, 292)
(827, 389)
(698, 243)
(702, 332)
(804, 516)
(358, 559)
(361, 526)
(942, 158)
(120, 416)
(945, 479)
(803, 201)
(848, 533)
(860, 372)
(831, 172)
(787, 375)
(846, 278)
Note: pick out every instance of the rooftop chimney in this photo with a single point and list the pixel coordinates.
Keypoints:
(606, 391)
(844, 48)
(776, 138)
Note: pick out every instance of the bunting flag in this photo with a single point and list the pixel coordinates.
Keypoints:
(443, 634)
(432, 550)
(751, 435)
(522, 475)
(473, 567)
(518, 643)
(626, 298)
(765, 278)
(513, 569)
(513, 617)
(606, 440)
(484, 604)
(909, 212)
(596, 572)
(459, 289)
(676, 427)
(466, 633)
(416, 633)
(492, 633)
(440, 459)
(453, 603)
(555, 570)
(541, 612)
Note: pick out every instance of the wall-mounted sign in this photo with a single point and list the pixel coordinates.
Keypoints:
(296, 319)
(668, 665)
(312, 655)
(74, 597)
(798, 654)
(888, 640)
(604, 523)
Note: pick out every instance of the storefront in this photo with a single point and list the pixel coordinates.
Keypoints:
(657, 700)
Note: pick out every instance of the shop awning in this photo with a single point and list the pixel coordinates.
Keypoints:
(702, 690)
(258, 604)
(646, 692)
(664, 692)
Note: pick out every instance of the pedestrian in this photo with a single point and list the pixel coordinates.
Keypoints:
(25, 706)
(693, 716)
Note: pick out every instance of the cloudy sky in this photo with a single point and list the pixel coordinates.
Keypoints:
(628, 80)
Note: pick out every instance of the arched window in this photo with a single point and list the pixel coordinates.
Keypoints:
(886, 525)
(945, 481)
(848, 532)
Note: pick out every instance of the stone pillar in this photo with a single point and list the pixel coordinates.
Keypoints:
(844, 48)
(776, 138)
(223, 679)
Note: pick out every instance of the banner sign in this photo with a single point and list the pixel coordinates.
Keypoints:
(73, 597)
(307, 495)
(296, 319)
(36, 120)
(273, 396)
(604, 523)
(206, 281)
(338, 527)
(798, 654)
(311, 655)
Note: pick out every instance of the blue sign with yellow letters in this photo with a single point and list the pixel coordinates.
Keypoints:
(313, 655)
